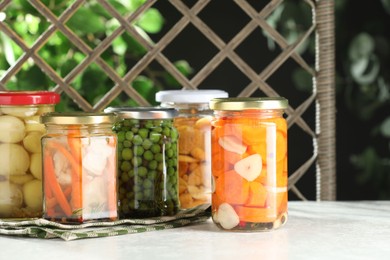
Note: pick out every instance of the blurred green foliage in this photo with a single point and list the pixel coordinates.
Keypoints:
(92, 24)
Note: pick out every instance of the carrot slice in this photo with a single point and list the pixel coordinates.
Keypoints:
(232, 188)
(256, 215)
(257, 195)
(55, 186)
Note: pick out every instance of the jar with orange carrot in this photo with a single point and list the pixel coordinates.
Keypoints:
(249, 163)
(20, 151)
(79, 167)
(193, 125)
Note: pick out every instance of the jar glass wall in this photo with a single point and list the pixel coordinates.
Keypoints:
(79, 167)
(249, 163)
(193, 125)
(20, 151)
(147, 165)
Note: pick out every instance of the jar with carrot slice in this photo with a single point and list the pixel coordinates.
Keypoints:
(79, 167)
(193, 125)
(249, 163)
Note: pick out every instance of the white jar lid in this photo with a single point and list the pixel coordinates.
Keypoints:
(189, 96)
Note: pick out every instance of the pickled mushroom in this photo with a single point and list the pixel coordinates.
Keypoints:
(14, 159)
(19, 111)
(32, 192)
(62, 169)
(36, 165)
(32, 142)
(12, 129)
(11, 197)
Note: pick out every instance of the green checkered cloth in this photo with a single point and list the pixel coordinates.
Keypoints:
(42, 228)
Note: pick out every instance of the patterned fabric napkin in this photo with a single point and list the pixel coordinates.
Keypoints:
(42, 228)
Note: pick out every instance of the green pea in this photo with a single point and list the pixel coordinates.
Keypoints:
(126, 143)
(153, 164)
(137, 188)
(174, 134)
(147, 184)
(171, 163)
(127, 154)
(166, 131)
(149, 124)
(155, 148)
(159, 157)
(137, 161)
(161, 166)
(154, 137)
(147, 144)
(137, 140)
(131, 173)
(143, 133)
(152, 175)
(148, 155)
(142, 171)
(121, 136)
(139, 195)
(171, 171)
(125, 166)
(134, 130)
(158, 129)
(126, 123)
(129, 135)
(170, 153)
(124, 177)
(138, 150)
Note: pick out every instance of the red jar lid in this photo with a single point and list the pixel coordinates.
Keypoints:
(28, 97)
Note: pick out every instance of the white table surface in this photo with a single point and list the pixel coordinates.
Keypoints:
(314, 230)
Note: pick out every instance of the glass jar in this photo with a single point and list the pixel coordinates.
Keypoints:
(20, 151)
(193, 124)
(249, 163)
(79, 167)
(147, 166)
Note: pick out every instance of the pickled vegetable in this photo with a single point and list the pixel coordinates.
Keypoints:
(12, 129)
(79, 177)
(20, 151)
(148, 177)
(194, 161)
(249, 172)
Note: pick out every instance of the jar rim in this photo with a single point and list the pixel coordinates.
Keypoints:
(28, 98)
(77, 118)
(241, 103)
(143, 112)
(189, 95)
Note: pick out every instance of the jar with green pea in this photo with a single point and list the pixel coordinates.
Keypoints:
(147, 161)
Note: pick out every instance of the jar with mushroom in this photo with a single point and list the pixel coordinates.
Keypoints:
(20, 151)
(249, 163)
(193, 124)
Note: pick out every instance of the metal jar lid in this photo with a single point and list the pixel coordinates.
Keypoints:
(143, 112)
(14, 98)
(189, 96)
(237, 104)
(77, 118)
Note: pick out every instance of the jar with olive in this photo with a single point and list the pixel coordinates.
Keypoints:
(147, 161)
(20, 151)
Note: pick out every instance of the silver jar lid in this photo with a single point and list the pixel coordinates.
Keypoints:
(143, 112)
